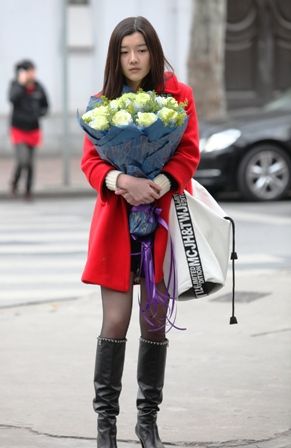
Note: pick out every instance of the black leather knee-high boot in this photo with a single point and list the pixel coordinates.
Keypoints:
(107, 382)
(150, 377)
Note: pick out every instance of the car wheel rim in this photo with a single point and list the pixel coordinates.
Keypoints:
(267, 175)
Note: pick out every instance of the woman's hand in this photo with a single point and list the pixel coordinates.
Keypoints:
(136, 190)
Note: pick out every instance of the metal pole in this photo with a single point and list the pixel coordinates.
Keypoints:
(65, 121)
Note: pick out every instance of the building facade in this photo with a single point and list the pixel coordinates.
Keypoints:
(258, 51)
(35, 29)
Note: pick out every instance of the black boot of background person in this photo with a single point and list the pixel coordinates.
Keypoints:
(150, 377)
(27, 194)
(107, 382)
(15, 180)
(30, 172)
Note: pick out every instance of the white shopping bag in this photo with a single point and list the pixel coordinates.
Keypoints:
(200, 242)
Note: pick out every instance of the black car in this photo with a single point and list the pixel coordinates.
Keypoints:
(249, 153)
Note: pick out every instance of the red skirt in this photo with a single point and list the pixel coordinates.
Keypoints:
(31, 138)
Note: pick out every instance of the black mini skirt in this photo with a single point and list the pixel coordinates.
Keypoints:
(135, 247)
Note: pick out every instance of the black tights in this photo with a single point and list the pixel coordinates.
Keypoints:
(117, 307)
(24, 164)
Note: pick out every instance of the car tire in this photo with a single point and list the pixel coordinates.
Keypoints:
(264, 173)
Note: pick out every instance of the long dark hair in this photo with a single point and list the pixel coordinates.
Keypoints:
(113, 77)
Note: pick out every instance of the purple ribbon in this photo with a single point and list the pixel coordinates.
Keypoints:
(147, 208)
(151, 215)
(154, 296)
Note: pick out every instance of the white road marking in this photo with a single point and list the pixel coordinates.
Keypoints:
(260, 218)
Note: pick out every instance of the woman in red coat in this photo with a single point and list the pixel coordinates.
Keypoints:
(135, 59)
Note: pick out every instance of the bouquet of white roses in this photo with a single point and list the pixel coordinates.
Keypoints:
(137, 132)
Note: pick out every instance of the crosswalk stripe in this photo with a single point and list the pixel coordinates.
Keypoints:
(43, 251)
(10, 263)
(239, 215)
(45, 236)
(258, 258)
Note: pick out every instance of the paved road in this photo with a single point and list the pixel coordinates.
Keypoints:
(227, 386)
(42, 250)
(263, 233)
(43, 245)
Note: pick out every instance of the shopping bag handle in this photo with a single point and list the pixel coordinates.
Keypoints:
(233, 257)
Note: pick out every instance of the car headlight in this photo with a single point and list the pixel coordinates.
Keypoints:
(219, 140)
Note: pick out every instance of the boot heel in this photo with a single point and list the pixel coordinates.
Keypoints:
(137, 435)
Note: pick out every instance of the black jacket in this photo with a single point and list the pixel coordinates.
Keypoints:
(28, 106)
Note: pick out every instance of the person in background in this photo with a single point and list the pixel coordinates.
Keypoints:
(29, 103)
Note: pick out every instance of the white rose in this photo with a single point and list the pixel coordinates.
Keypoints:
(142, 100)
(100, 123)
(88, 116)
(101, 110)
(146, 119)
(122, 118)
(171, 102)
(161, 101)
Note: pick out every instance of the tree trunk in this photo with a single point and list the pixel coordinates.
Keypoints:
(206, 58)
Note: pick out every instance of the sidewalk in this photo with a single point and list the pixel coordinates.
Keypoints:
(49, 176)
(226, 385)
(19, 438)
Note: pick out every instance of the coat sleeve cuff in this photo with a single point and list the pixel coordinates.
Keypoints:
(163, 181)
(111, 179)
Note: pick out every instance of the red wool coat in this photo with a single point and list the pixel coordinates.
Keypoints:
(108, 261)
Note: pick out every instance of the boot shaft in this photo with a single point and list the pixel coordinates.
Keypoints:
(150, 377)
(150, 374)
(109, 364)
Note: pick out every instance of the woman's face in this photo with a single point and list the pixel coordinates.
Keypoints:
(135, 59)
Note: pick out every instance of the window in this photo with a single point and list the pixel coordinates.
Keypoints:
(80, 32)
(78, 2)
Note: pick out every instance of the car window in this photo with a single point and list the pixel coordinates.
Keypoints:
(283, 102)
